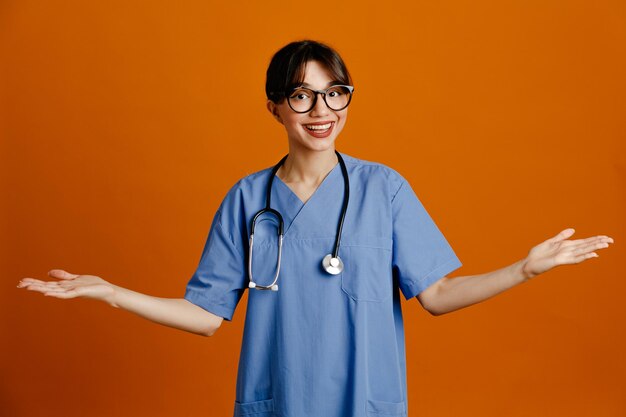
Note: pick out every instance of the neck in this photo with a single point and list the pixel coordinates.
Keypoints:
(307, 167)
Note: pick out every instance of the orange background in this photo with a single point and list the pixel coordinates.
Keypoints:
(123, 125)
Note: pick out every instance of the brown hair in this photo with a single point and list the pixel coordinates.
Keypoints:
(286, 69)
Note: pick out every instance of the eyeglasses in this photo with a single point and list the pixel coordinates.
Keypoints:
(336, 97)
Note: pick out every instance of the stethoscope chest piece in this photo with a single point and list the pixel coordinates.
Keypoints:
(332, 265)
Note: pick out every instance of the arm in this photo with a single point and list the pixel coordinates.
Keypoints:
(450, 294)
(173, 312)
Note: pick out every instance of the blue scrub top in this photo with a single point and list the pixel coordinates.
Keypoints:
(322, 345)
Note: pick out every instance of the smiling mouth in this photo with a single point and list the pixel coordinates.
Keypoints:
(319, 128)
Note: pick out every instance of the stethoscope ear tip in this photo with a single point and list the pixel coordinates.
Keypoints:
(275, 287)
(252, 285)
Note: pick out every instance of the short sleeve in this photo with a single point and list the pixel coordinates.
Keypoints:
(421, 254)
(220, 279)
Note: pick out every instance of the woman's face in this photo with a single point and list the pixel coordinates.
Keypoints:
(298, 125)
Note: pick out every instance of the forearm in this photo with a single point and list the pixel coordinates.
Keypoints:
(456, 293)
(172, 312)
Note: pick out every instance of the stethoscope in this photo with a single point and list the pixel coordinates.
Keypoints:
(331, 263)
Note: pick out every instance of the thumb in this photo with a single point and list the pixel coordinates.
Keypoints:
(59, 273)
(564, 234)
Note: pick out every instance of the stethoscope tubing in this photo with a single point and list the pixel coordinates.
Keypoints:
(344, 208)
(331, 263)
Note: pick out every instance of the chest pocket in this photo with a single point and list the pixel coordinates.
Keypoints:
(367, 269)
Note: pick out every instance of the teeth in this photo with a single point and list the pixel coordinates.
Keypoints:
(319, 127)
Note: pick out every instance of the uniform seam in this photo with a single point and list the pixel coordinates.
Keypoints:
(397, 191)
(432, 271)
(230, 237)
(222, 309)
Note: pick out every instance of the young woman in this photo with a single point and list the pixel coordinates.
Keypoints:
(325, 243)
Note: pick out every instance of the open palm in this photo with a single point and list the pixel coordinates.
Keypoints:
(70, 286)
(559, 251)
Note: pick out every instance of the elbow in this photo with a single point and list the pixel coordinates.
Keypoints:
(436, 313)
(199, 320)
(432, 307)
(432, 310)
(209, 332)
(213, 326)
(431, 300)
(428, 303)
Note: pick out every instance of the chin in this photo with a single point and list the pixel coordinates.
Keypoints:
(312, 144)
(320, 145)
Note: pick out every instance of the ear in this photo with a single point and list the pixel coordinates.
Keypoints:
(271, 106)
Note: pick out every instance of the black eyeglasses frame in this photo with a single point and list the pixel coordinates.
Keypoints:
(287, 95)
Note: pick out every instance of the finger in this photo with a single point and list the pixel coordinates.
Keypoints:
(562, 235)
(590, 240)
(61, 274)
(56, 290)
(40, 288)
(588, 247)
(578, 259)
(64, 295)
(29, 281)
(594, 239)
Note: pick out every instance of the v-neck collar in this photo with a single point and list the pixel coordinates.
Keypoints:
(292, 207)
(295, 196)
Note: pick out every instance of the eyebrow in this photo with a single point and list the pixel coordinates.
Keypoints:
(327, 85)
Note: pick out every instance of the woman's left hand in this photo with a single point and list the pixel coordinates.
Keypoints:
(559, 251)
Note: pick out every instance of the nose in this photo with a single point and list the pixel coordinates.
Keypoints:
(320, 108)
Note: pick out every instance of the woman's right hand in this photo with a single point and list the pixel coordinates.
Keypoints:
(71, 286)
(178, 313)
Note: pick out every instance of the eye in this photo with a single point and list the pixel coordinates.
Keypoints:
(335, 92)
(300, 94)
